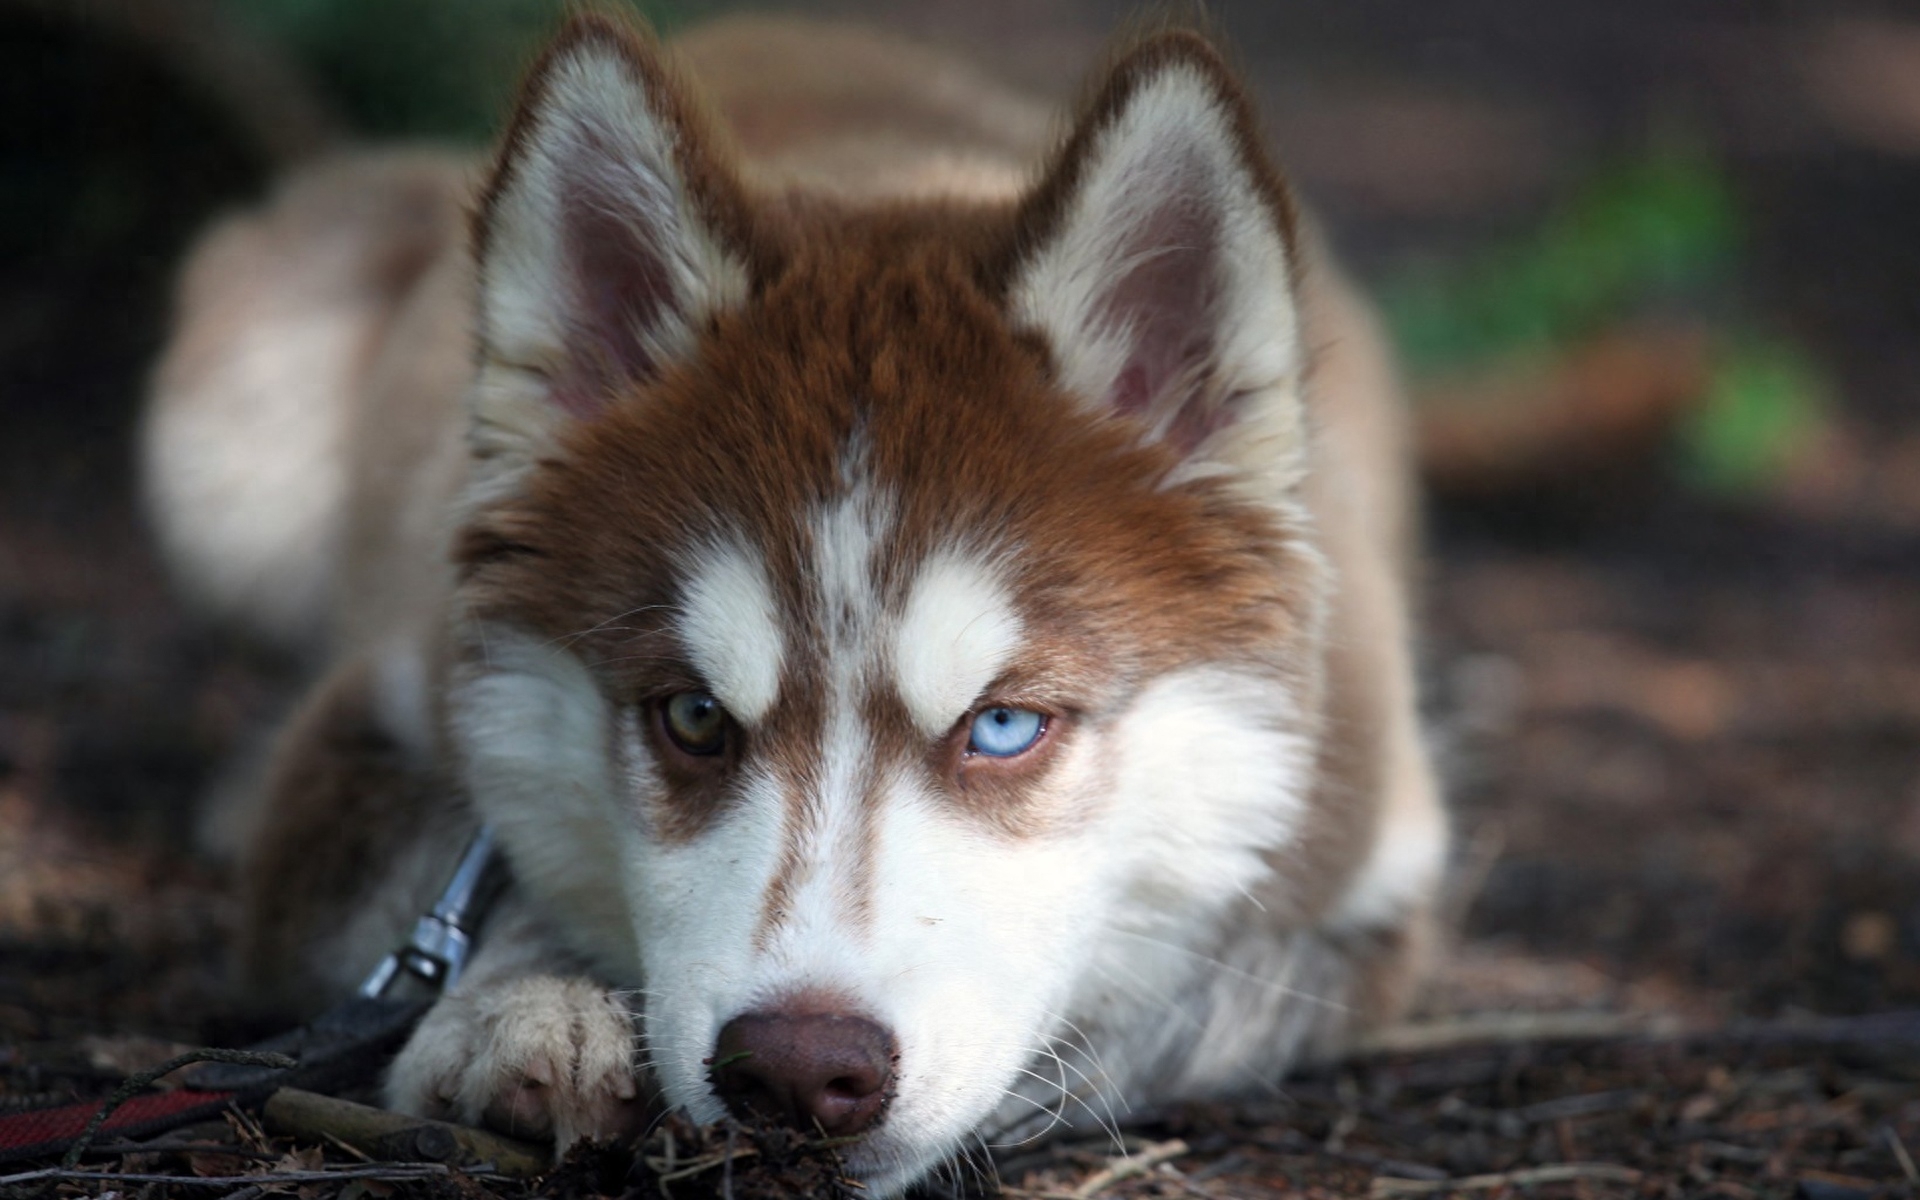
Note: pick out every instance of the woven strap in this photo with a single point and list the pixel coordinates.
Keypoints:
(345, 1045)
(46, 1132)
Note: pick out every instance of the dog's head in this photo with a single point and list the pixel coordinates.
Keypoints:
(874, 618)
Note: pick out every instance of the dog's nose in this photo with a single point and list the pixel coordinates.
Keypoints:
(825, 1071)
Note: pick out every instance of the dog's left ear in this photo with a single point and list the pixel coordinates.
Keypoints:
(1157, 261)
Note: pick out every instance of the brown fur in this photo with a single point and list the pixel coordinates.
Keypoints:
(883, 338)
(815, 340)
(349, 799)
(882, 319)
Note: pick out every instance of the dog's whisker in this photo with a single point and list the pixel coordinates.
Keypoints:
(1108, 1122)
(1105, 1123)
(603, 626)
(988, 1172)
(1053, 1120)
(1104, 1087)
(1068, 1095)
(1226, 968)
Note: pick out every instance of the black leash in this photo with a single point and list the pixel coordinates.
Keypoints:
(442, 939)
(342, 1046)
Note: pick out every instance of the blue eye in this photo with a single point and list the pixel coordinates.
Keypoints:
(1005, 732)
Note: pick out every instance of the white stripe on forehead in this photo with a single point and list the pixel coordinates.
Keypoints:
(959, 631)
(730, 627)
(847, 531)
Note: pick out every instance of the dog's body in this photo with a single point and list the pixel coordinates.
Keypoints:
(860, 590)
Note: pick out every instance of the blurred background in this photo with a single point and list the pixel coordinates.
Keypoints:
(1653, 268)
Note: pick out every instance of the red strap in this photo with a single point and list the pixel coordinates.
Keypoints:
(40, 1132)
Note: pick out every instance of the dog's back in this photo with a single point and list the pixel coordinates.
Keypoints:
(304, 438)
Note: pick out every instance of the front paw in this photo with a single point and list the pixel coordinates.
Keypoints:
(536, 1057)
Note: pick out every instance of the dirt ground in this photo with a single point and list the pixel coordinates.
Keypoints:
(1682, 735)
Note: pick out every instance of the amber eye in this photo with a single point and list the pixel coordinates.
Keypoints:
(695, 722)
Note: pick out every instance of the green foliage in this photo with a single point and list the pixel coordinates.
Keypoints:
(1641, 233)
(420, 68)
(1660, 233)
(1658, 227)
(1767, 401)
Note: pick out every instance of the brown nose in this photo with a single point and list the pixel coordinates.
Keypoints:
(822, 1070)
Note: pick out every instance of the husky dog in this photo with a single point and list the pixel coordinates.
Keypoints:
(923, 607)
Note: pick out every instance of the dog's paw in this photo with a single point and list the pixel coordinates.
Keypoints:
(536, 1057)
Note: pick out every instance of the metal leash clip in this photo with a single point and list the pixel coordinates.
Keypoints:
(442, 939)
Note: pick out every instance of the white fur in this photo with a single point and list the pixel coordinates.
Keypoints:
(1170, 810)
(729, 626)
(1213, 764)
(1165, 819)
(695, 910)
(948, 908)
(1173, 146)
(534, 736)
(959, 631)
(1211, 770)
(281, 322)
(847, 533)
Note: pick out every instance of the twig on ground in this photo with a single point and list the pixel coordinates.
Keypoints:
(247, 1129)
(347, 1148)
(1116, 1170)
(377, 1133)
(383, 1171)
(1899, 1027)
(703, 1164)
(1128, 1166)
(1483, 851)
(1528, 1177)
(1494, 1029)
(1900, 1154)
(1583, 1104)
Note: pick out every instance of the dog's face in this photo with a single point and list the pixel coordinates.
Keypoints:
(875, 622)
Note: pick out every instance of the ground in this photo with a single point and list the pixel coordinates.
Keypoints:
(1680, 729)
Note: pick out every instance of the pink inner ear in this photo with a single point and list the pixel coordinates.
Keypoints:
(1167, 298)
(616, 225)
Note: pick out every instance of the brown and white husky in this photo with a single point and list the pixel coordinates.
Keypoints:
(923, 608)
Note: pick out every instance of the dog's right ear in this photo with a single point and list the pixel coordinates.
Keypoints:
(610, 232)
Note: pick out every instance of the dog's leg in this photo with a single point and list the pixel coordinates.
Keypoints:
(525, 1043)
(357, 837)
(351, 836)
(1389, 967)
